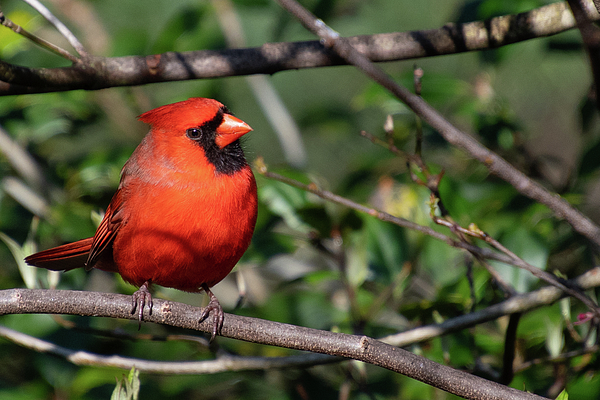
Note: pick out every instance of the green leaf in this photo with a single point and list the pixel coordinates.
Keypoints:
(555, 339)
(563, 395)
(28, 273)
(357, 266)
(127, 388)
(284, 200)
(134, 383)
(530, 248)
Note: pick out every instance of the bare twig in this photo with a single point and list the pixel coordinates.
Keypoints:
(557, 359)
(516, 304)
(590, 34)
(383, 216)
(491, 160)
(101, 73)
(269, 100)
(39, 7)
(510, 257)
(473, 231)
(221, 364)
(37, 40)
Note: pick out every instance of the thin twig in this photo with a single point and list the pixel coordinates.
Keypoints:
(557, 359)
(590, 33)
(222, 364)
(510, 257)
(71, 38)
(383, 216)
(516, 304)
(552, 279)
(495, 163)
(37, 40)
(432, 184)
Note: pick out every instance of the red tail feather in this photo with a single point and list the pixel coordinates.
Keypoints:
(62, 258)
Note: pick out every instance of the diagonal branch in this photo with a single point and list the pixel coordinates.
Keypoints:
(37, 40)
(99, 73)
(517, 304)
(71, 38)
(590, 33)
(496, 164)
(363, 348)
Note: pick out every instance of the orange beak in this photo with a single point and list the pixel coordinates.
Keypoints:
(230, 130)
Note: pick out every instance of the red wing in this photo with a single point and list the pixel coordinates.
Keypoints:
(107, 230)
(62, 258)
(83, 253)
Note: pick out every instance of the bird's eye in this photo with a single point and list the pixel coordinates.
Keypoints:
(194, 133)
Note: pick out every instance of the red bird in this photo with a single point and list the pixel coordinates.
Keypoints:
(184, 212)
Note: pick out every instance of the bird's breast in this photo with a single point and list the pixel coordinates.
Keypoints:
(182, 233)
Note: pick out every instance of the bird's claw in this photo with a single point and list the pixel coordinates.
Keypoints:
(218, 314)
(139, 299)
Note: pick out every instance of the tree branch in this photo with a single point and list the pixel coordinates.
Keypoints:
(590, 34)
(71, 38)
(363, 348)
(495, 164)
(39, 41)
(517, 304)
(221, 364)
(99, 73)
(508, 258)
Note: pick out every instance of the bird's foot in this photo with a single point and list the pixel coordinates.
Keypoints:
(139, 300)
(218, 314)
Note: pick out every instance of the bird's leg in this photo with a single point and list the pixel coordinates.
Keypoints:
(139, 300)
(219, 315)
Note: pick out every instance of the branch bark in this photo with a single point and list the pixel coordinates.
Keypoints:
(493, 162)
(517, 304)
(363, 348)
(590, 34)
(99, 73)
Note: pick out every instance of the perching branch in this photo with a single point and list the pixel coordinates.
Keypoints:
(99, 73)
(363, 348)
(517, 304)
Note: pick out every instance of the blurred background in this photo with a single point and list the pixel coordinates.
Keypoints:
(312, 263)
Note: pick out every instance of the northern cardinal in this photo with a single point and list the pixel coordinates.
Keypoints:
(184, 212)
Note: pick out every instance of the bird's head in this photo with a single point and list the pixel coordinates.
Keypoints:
(180, 130)
(197, 117)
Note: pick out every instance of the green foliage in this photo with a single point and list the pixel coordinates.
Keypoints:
(128, 388)
(312, 262)
(563, 395)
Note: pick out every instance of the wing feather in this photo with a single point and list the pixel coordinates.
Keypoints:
(108, 229)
